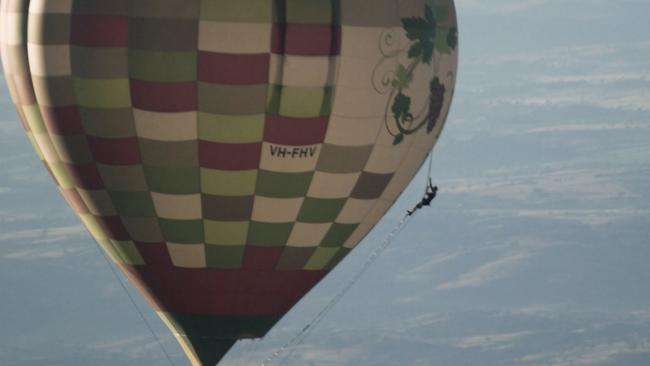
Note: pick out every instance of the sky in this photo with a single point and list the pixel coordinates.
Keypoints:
(535, 252)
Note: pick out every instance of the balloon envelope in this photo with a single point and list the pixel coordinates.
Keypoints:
(227, 154)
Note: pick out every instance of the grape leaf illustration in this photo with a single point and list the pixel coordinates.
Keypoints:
(402, 107)
(402, 78)
(423, 32)
(452, 38)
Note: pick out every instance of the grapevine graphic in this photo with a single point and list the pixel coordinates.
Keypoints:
(426, 36)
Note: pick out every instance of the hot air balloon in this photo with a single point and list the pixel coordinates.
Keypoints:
(227, 154)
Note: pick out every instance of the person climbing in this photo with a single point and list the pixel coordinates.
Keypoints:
(429, 195)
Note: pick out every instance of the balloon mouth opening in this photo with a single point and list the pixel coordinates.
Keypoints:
(206, 351)
(206, 339)
(209, 351)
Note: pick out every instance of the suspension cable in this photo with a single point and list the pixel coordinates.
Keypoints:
(429, 170)
(306, 330)
(297, 339)
(132, 300)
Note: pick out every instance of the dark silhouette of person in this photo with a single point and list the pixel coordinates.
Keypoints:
(429, 195)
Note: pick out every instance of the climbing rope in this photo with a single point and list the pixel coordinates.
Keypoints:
(306, 330)
(430, 166)
(297, 340)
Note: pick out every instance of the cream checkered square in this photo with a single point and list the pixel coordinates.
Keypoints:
(177, 206)
(187, 255)
(329, 185)
(307, 235)
(355, 210)
(303, 71)
(276, 210)
(226, 37)
(49, 60)
(166, 126)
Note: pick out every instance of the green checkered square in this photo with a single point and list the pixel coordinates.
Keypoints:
(338, 234)
(283, 185)
(133, 204)
(98, 93)
(228, 182)
(34, 118)
(321, 257)
(226, 257)
(98, 202)
(252, 11)
(269, 234)
(231, 129)
(337, 258)
(317, 210)
(310, 11)
(182, 231)
(173, 180)
(225, 232)
(72, 149)
(299, 102)
(156, 65)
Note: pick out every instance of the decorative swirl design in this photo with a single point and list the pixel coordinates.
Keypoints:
(394, 78)
(389, 42)
(384, 72)
(383, 75)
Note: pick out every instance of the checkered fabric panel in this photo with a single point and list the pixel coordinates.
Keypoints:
(162, 64)
(101, 96)
(304, 60)
(233, 74)
(217, 129)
